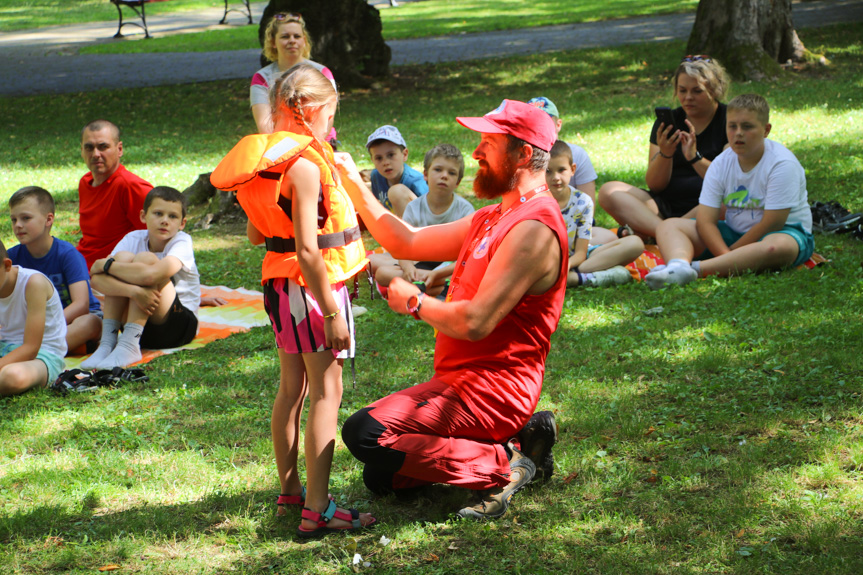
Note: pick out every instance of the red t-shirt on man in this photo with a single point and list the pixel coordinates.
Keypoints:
(109, 211)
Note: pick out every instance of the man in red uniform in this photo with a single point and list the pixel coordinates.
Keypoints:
(504, 303)
(110, 197)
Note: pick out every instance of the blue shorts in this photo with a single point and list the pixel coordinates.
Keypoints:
(55, 364)
(804, 239)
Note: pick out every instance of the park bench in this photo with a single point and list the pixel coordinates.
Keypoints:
(137, 6)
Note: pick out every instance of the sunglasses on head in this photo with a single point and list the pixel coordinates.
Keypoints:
(696, 58)
(288, 16)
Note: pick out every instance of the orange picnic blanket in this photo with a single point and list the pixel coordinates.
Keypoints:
(244, 310)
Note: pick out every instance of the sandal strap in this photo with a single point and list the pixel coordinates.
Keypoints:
(353, 516)
(321, 518)
(283, 499)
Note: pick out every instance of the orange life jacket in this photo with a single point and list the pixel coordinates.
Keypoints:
(255, 169)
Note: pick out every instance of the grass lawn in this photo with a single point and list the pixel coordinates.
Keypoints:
(421, 19)
(722, 434)
(29, 14)
(410, 20)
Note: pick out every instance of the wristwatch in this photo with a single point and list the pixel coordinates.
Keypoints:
(107, 265)
(414, 304)
(697, 157)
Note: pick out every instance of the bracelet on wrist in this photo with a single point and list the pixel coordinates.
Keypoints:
(332, 315)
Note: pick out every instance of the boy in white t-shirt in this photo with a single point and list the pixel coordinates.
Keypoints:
(151, 285)
(591, 266)
(768, 223)
(443, 169)
(32, 328)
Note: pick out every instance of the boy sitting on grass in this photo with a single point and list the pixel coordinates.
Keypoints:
(443, 169)
(32, 329)
(768, 223)
(394, 183)
(32, 211)
(151, 285)
(592, 266)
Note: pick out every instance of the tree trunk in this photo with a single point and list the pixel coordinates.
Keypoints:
(221, 205)
(750, 37)
(347, 37)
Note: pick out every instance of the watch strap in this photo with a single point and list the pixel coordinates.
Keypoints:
(414, 309)
(107, 265)
(697, 157)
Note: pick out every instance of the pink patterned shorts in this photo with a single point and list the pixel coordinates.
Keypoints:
(297, 319)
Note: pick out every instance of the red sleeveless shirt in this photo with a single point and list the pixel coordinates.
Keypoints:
(500, 376)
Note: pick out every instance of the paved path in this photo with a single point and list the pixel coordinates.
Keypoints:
(45, 61)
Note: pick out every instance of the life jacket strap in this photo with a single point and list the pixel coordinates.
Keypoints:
(334, 240)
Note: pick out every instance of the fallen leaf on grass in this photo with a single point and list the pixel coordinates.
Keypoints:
(432, 558)
(652, 479)
(650, 430)
(570, 477)
(740, 533)
(452, 547)
(109, 568)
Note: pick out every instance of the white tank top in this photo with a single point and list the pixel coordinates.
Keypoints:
(13, 313)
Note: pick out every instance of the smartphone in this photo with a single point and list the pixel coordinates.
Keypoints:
(663, 114)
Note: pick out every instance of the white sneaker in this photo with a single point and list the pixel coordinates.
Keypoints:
(677, 274)
(618, 275)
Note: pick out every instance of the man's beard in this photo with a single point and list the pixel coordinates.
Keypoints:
(488, 184)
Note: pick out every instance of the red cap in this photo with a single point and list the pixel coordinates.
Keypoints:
(517, 119)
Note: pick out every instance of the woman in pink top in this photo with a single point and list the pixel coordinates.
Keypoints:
(286, 44)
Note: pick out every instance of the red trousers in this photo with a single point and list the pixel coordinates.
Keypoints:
(442, 441)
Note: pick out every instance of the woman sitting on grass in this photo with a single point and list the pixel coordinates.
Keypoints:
(680, 153)
(284, 181)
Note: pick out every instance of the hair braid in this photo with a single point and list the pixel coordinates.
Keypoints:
(301, 92)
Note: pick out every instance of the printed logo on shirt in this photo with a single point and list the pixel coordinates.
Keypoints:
(482, 248)
(742, 200)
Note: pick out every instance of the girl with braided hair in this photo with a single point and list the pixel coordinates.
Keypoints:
(288, 186)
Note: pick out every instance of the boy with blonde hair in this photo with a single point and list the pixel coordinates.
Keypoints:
(443, 171)
(32, 212)
(768, 223)
(32, 328)
(591, 266)
(394, 183)
(151, 285)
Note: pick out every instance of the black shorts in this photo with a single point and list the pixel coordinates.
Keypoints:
(673, 208)
(180, 328)
(428, 266)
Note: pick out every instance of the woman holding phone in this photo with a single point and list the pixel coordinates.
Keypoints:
(680, 151)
